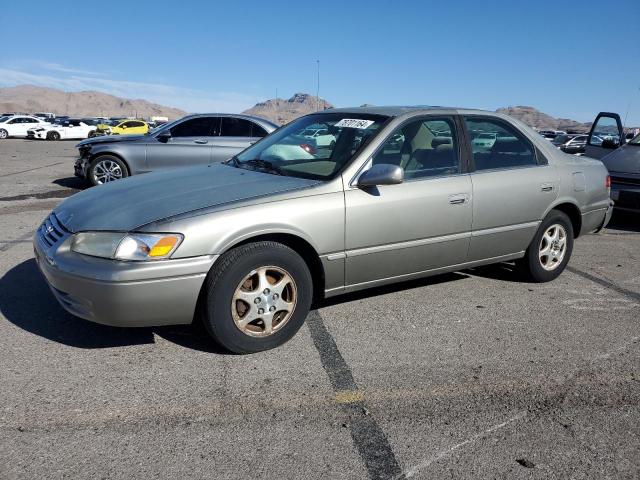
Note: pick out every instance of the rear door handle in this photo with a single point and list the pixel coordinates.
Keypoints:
(201, 142)
(546, 187)
(459, 199)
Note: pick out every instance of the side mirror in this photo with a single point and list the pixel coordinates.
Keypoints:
(381, 174)
(164, 136)
(610, 144)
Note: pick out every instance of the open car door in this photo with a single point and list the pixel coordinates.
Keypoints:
(606, 135)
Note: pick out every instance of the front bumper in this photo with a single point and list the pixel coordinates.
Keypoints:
(122, 294)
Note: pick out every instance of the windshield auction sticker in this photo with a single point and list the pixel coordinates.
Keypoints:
(354, 123)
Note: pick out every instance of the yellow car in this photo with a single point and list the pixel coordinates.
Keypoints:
(122, 127)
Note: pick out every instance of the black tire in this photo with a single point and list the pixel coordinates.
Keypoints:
(92, 134)
(3, 134)
(53, 136)
(226, 276)
(92, 174)
(532, 265)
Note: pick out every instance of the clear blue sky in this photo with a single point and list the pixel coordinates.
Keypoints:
(569, 59)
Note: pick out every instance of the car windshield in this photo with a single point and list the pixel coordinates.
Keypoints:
(290, 151)
(4, 119)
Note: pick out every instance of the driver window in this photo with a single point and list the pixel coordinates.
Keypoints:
(606, 128)
(423, 148)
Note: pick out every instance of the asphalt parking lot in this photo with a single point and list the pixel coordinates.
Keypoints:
(468, 375)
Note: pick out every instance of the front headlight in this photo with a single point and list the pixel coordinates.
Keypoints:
(126, 246)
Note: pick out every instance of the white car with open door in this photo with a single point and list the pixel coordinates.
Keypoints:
(72, 128)
(17, 125)
(621, 159)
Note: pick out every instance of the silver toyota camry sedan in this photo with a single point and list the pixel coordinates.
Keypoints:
(245, 246)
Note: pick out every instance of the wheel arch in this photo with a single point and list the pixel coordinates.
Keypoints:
(301, 246)
(572, 211)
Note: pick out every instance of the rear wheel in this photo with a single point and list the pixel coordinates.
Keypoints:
(3, 134)
(256, 297)
(53, 136)
(550, 249)
(105, 169)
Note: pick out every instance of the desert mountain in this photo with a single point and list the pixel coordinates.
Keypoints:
(29, 99)
(542, 121)
(283, 111)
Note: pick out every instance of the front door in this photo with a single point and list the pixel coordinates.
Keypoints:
(420, 225)
(513, 186)
(606, 135)
(190, 144)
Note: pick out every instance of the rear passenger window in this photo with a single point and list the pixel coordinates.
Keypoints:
(496, 145)
(235, 127)
(424, 148)
(257, 131)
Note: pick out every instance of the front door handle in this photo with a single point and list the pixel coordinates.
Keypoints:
(459, 199)
(201, 142)
(546, 187)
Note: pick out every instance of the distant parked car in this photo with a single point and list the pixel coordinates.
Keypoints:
(320, 136)
(193, 140)
(622, 161)
(46, 116)
(122, 127)
(245, 246)
(74, 128)
(484, 140)
(574, 145)
(17, 125)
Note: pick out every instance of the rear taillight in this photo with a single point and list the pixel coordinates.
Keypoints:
(607, 182)
(308, 148)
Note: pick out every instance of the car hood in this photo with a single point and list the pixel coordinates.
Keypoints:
(130, 203)
(625, 159)
(114, 138)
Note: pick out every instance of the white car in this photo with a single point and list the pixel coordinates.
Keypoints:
(320, 136)
(72, 128)
(484, 140)
(17, 125)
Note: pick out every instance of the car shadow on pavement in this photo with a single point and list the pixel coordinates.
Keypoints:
(626, 221)
(27, 302)
(75, 183)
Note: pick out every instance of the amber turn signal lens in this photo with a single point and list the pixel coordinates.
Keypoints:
(163, 246)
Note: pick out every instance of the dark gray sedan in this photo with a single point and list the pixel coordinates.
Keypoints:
(199, 139)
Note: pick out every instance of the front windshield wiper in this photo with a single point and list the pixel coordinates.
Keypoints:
(261, 164)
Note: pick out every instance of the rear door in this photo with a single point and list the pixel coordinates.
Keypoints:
(513, 186)
(236, 134)
(606, 135)
(190, 144)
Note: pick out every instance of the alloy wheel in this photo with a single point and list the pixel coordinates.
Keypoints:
(264, 301)
(553, 246)
(107, 171)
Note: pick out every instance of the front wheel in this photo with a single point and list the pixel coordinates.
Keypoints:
(550, 249)
(3, 134)
(105, 169)
(256, 297)
(53, 136)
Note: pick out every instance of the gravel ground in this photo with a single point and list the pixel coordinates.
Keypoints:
(468, 375)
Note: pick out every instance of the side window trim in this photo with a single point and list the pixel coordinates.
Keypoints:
(500, 121)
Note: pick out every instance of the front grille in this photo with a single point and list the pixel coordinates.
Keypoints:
(52, 231)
